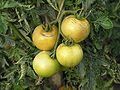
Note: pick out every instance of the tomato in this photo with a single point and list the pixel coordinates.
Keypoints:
(44, 65)
(75, 29)
(69, 56)
(44, 40)
(63, 87)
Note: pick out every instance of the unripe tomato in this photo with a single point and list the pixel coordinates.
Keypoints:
(44, 65)
(69, 56)
(75, 29)
(44, 40)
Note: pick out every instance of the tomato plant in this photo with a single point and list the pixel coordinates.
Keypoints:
(44, 40)
(69, 56)
(98, 70)
(75, 29)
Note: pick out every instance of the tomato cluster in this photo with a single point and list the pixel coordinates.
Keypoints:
(73, 29)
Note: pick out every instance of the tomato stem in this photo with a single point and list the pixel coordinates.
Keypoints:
(47, 26)
(56, 44)
(61, 6)
(80, 14)
(59, 13)
(60, 16)
(58, 20)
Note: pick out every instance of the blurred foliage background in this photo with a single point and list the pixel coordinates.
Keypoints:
(100, 67)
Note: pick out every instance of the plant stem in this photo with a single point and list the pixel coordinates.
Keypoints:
(69, 11)
(61, 6)
(60, 16)
(19, 34)
(58, 19)
(50, 3)
(47, 26)
(80, 14)
(59, 13)
(56, 44)
(117, 6)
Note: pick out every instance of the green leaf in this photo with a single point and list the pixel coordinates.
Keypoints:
(16, 86)
(3, 24)
(78, 2)
(9, 74)
(31, 73)
(82, 70)
(2, 40)
(8, 4)
(105, 22)
(108, 83)
(92, 82)
(8, 86)
(35, 18)
(83, 82)
(96, 27)
(97, 44)
(87, 3)
(68, 2)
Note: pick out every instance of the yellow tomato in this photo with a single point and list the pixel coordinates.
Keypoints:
(69, 56)
(44, 40)
(75, 29)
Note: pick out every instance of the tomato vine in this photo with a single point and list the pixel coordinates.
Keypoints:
(98, 70)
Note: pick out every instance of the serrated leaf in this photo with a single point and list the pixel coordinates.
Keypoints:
(25, 35)
(16, 53)
(51, 13)
(26, 25)
(105, 22)
(31, 73)
(35, 18)
(9, 4)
